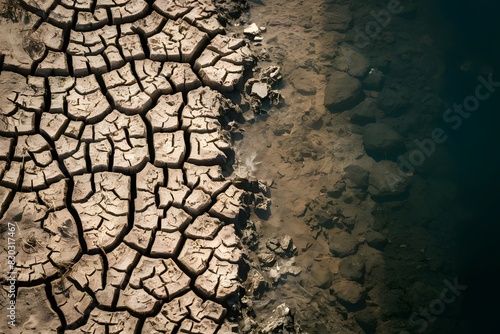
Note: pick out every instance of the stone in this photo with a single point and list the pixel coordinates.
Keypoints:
(363, 113)
(352, 268)
(356, 177)
(342, 243)
(342, 92)
(350, 61)
(348, 292)
(387, 180)
(367, 318)
(260, 89)
(252, 30)
(392, 103)
(280, 320)
(374, 80)
(380, 140)
(321, 275)
(376, 240)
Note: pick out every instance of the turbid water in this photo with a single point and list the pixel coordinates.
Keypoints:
(441, 232)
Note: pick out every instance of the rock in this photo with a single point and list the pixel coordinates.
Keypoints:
(386, 180)
(260, 89)
(367, 319)
(342, 92)
(374, 80)
(321, 275)
(363, 113)
(337, 189)
(356, 177)
(352, 268)
(348, 292)
(342, 243)
(392, 103)
(257, 284)
(380, 140)
(267, 259)
(280, 321)
(252, 29)
(325, 219)
(352, 62)
(282, 246)
(376, 240)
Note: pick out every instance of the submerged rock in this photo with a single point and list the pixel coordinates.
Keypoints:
(367, 319)
(281, 321)
(342, 243)
(321, 275)
(376, 240)
(381, 140)
(363, 113)
(352, 268)
(349, 292)
(392, 103)
(386, 180)
(356, 177)
(342, 92)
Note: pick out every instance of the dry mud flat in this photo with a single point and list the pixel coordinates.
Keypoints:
(111, 155)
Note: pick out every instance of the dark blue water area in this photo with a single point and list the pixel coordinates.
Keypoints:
(474, 146)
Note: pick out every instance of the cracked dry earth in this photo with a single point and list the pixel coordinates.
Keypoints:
(111, 155)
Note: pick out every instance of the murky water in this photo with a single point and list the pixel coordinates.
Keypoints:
(435, 230)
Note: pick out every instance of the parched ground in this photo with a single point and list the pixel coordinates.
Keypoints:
(111, 147)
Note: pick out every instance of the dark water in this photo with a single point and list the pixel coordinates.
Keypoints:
(476, 162)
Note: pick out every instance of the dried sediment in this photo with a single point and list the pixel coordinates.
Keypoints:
(111, 155)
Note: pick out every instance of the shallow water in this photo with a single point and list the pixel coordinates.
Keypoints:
(444, 228)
